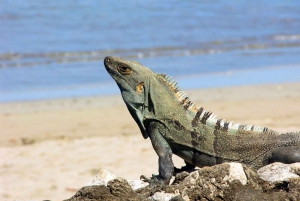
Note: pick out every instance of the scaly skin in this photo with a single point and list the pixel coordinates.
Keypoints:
(176, 126)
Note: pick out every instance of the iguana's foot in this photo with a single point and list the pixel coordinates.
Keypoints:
(154, 182)
(188, 167)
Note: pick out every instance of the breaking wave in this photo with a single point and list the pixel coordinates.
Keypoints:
(213, 47)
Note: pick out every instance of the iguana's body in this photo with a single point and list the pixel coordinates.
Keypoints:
(176, 126)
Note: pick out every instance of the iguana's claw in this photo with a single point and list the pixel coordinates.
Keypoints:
(154, 181)
(145, 179)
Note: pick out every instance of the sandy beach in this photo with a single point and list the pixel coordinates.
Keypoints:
(51, 148)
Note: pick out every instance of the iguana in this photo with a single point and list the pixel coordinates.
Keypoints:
(176, 126)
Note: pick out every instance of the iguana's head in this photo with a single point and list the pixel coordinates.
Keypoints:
(131, 78)
(129, 75)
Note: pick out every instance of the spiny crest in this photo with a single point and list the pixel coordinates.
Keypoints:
(208, 118)
(169, 81)
(172, 84)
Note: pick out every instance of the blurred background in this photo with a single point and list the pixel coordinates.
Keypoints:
(55, 49)
(62, 118)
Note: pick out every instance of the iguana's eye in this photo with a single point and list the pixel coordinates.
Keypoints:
(124, 70)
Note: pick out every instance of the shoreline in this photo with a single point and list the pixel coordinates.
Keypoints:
(232, 78)
(51, 148)
(278, 90)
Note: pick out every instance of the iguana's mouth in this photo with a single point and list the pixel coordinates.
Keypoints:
(107, 62)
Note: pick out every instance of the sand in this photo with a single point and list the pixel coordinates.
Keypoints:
(51, 148)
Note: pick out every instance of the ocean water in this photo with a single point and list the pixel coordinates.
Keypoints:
(55, 49)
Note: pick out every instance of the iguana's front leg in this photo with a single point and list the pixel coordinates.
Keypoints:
(164, 152)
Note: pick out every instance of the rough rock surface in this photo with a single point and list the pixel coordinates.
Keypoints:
(279, 172)
(228, 181)
(102, 178)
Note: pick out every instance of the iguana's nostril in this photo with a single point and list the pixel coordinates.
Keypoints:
(107, 60)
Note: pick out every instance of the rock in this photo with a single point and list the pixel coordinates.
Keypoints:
(117, 189)
(102, 178)
(137, 184)
(162, 196)
(227, 181)
(236, 172)
(212, 182)
(180, 176)
(276, 172)
(89, 193)
(295, 168)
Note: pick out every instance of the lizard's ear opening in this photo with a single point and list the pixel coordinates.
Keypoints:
(140, 87)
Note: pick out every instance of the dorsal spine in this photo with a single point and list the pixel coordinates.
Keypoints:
(206, 117)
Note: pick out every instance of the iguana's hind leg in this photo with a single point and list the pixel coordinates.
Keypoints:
(188, 167)
(285, 155)
(164, 152)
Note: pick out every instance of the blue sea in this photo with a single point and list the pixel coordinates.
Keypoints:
(55, 49)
